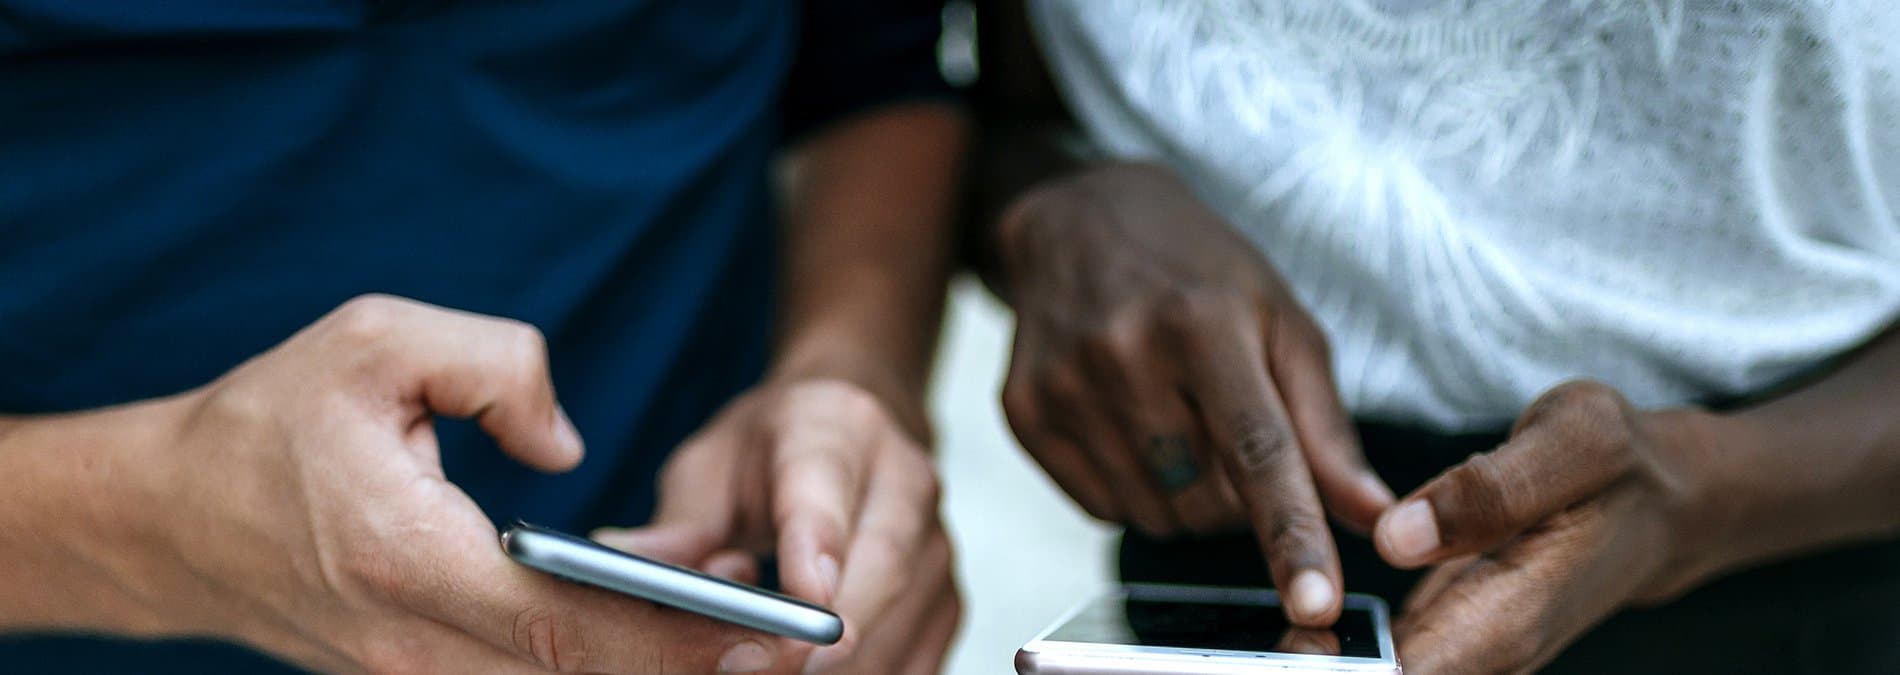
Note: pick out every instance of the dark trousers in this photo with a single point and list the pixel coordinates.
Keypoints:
(1833, 612)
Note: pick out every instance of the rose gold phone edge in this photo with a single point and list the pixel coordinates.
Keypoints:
(1030, 661)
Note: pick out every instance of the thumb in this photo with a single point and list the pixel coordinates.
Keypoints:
(1570, 444)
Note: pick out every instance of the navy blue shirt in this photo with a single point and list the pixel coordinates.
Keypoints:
(183, 184)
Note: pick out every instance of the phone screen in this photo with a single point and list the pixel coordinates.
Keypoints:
(1250, 623)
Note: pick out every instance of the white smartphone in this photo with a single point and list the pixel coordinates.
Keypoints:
(581, 560)
(1202, 630)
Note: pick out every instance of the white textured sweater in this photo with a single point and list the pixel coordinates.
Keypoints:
(1478, 199)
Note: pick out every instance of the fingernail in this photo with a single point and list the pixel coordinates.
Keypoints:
(565, 433)
(747, 657)
(1312, 594)
(1411, 532)
(828, 575)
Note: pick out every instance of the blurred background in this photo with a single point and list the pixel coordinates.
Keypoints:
(1025, 552)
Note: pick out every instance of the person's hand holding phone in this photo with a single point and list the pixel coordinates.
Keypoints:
(820, 473)
(298, 505)
(1167, 378)
(1590, 507)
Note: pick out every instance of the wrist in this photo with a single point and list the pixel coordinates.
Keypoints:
(1046, 201)
(1043, 218)
(1706, 507)
(1759, 497)
(1023, 228)
(84, 515)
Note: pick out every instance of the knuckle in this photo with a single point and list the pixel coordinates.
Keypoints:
(1190, 308)
(1479, 499)
(1580, 400)
(552, 639)
(856, 405)
(1298, 537)
(527, 347)
(1590, 416)
(847, 403)
(367, 319)
(791, 464)
(1120, 339)
(1261, 444)
(1129, 326)
(1201, 308)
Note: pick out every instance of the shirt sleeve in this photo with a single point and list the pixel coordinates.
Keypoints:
(856, 55)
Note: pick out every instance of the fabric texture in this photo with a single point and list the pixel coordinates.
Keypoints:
(1478, 200)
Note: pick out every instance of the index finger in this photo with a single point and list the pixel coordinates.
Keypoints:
(1228, 378)
(897, 543)
(818, 482)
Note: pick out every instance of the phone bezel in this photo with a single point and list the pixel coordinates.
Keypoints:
(587, 562)
(1042, 648)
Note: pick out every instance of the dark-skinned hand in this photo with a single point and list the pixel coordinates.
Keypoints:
(1166, 377)
(1591, 506)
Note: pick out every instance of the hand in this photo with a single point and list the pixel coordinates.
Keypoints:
(1166, 377)
(820, 473)
(1591, 506)
(298, 505)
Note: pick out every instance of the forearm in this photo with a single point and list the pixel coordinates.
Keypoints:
(1009, 162)
(1819, 466)
(66, 521)
(869, 251)
(1025, 135)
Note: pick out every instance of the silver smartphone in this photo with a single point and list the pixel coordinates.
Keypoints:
(581, 560)
(1202, 630)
